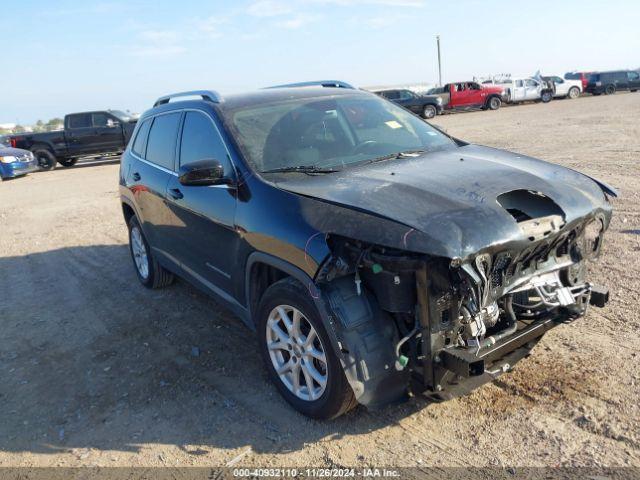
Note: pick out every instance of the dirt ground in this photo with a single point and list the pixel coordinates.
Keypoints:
(95, 370)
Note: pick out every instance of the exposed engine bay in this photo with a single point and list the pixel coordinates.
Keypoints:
(442, 326)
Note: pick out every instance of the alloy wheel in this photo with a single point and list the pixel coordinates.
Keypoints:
(139, 252)
(296, 352)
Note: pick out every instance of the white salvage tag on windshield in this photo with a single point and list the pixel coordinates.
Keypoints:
(393, 124)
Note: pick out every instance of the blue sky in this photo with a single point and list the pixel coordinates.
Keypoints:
(63, 56)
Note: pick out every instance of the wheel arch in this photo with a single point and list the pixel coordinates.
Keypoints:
(366, 367)
(39, 145)
(261, 271)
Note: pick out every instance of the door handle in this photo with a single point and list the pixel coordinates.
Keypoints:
(136, 177)
(176, 194)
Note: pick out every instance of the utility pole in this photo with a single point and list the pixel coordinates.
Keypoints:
(439, 62)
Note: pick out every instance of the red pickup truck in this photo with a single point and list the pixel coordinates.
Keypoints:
(467, 95)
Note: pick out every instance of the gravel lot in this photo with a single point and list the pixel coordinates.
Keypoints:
(97, 370)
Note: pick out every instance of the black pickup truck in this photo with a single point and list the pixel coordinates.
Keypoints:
(427, 106)
(85, 134)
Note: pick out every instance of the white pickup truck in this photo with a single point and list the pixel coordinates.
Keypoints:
(525, 89)
(564, 88)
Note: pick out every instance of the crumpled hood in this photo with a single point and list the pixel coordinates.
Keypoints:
(450, 196)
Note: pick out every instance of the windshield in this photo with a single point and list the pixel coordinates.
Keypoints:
(330, 132)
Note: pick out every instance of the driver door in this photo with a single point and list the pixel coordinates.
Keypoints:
(532, 89)
(201, 221)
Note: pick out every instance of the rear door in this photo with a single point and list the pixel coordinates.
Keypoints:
(202, 217)
(153, 152)
(79, 134)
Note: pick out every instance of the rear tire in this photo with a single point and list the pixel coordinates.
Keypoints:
(574, 92)
(150, 273)
(68, 162)
(46, 159)
(610, 90)
(429, 111)
(494, 103)
(282, 346)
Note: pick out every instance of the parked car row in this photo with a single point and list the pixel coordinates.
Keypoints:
(492, 93)
(108, 132)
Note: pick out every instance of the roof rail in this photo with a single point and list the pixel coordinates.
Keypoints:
(317, 83)
(208, 95)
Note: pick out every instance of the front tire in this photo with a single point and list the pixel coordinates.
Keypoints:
(429, 111)
(574, 92)
(46, 160)
(494, 103)
(298, 353)
(150, 273)
(546, 97)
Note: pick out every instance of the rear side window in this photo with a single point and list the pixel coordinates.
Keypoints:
(594, 78)
(201, 141)
(81, 120)
(162, 140)
(140, 143)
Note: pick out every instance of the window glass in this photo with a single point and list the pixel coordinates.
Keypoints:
(634, 75)
(80, 120)
(392, 94)
(201, 141)
(140, 143)
(405, 95)
(162, 140)
(330, 132)
(531, 83)
(572, 76)
(100, 119)
(519, 83)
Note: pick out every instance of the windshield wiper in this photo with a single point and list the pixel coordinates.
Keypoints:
(302, 169)
(395, 156)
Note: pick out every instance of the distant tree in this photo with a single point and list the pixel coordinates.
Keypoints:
(18, 129)
(39, 126)
(53, 124)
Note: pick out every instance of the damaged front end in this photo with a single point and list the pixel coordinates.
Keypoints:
(412, 322)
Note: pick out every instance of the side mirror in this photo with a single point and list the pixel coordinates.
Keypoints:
(202, 173)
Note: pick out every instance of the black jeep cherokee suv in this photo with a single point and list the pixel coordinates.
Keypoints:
(374, 255)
